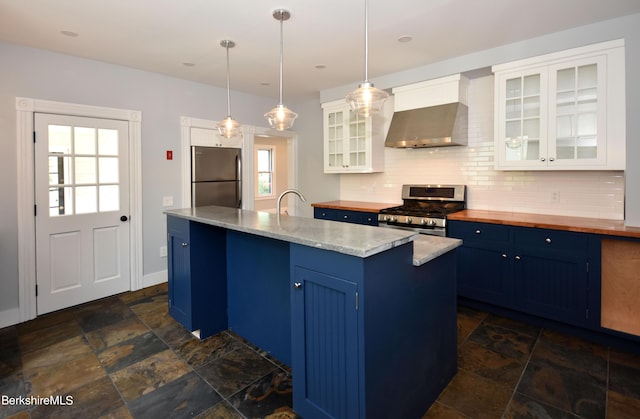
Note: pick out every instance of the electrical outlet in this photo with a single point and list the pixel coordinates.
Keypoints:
(167, 201)
(555, 196)
(163, 251)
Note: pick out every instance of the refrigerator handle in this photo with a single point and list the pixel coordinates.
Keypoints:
(239, 183)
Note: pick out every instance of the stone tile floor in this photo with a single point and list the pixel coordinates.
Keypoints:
(125, 357)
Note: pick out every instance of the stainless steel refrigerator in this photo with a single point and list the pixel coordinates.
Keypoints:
(216, 177)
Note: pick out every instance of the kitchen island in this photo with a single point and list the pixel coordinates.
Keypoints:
(365, 316)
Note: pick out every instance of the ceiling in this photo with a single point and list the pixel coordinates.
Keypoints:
(323, 40)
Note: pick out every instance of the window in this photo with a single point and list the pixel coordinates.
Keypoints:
(83, 170)
(265, 171)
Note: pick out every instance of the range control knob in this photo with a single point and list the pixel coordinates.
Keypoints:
(431, 222)
(393, 219)
(409, 220)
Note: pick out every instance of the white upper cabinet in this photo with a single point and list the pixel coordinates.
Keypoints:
(562, 111)
(210, 137)
(353, 143)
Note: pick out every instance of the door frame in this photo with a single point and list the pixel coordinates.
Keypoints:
(25, 110)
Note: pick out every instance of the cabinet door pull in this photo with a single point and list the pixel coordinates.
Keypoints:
(547, 240)
(346, 217)
(297, 285)
(542, 159)
(518, 258)
(184, 244)
(504, 256)
(477, 231)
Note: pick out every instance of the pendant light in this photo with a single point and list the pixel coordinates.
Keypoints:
(280, 117)
(367, 99)
(228, 127)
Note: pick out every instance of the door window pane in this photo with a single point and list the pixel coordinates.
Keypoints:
(59, 139)
(60, 201)
(84, 140)
(109, 198)
(108, 170)
(85, 170)
(86, 199)
(107, 142)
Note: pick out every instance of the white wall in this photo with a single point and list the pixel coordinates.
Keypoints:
(312, 182)
(33, 73)
(582, 194)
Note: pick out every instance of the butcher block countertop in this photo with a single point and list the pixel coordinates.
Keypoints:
(554, 222)
(355, 205)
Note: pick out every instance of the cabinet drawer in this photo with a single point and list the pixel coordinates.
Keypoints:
(550, 239)
(357, 217)
(478, 231)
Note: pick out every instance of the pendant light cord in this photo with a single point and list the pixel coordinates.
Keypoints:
(281, 53)
(366, 41)
(228, 84)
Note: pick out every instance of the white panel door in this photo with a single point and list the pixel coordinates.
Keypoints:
(82, 209)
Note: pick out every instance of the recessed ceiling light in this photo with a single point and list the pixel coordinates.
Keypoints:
(321, 66)
(188, 64)
(405, 38)
(69, 33)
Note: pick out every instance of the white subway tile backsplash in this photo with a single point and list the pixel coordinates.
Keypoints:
(580, 193)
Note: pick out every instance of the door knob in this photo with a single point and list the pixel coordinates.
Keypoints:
(123, 218)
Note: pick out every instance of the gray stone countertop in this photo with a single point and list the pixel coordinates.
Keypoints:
(352, 239)
(426, 247)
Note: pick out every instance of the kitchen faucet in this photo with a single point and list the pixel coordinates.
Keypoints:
(293, 191)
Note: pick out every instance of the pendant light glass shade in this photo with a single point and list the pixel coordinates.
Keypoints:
(281, 117)
(367, 99)
(228, 127)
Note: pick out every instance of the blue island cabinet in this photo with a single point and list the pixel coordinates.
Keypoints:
(372, 337)
(197, 275)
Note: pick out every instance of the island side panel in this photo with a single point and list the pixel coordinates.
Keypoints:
(410, 333)
(258, 292)
(197, 275)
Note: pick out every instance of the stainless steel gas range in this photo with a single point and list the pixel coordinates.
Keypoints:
(425, 208)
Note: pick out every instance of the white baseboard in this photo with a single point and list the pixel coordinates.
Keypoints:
(154, 279)
(12, 316)
(9, 317)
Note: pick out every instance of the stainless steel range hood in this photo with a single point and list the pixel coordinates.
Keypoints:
(433, 126)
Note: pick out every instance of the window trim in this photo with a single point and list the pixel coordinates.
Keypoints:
(272, 149)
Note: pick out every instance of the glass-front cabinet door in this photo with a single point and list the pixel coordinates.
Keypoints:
(350, 145)
(523, 127)
(334, 137)
(358, 150)
(578, 119)
(562, 111)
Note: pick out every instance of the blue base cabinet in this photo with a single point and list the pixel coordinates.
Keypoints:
(326, 338)
(536, 271)
(197, 278)
(484, 270)
(346, 216)
(371, 334)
